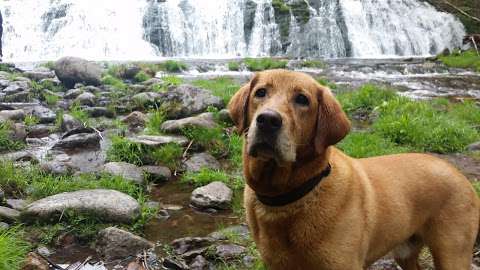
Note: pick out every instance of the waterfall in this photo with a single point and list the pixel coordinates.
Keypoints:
(150, 29)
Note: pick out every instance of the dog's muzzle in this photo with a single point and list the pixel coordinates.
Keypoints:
(264, 138)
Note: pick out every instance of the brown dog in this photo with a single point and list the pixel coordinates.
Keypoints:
(310, 206)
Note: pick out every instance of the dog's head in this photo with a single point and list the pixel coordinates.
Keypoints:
(287, 115)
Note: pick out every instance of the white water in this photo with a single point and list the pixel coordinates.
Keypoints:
(37, 30)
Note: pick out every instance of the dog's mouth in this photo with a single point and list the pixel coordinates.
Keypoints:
(262, 149)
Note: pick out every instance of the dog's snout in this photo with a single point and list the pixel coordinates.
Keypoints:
(269, 121)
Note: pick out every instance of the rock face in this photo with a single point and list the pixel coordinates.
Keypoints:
(201, 160)
(214, 195)
(108, 205)
(114, 243)
(204, 120)
(125, 170)
(187, 100)
(72, 70)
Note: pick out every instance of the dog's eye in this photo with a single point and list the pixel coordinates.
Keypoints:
(302, 100)
(260, 93)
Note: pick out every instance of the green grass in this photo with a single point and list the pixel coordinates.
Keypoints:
(114, 82)
(50, 65)
(155, 121)
(363, 144)
(169, 80)
(78, 113)
(313, 64)
(366, 99)
(51, 99)
(38, 87)
(31, 120)
(468, 59)
(142, 76)
(6, 143)
(326, 82)
(124, 150)
(214, 140)
(259, 64)
(168, 155)
(13, 249)
(223, 87)
(173, 66)
(206, 176)
(233, 66)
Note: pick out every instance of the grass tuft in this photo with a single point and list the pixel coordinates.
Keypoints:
(206, 176)
(223, 87)
(468, 59)
(362, 144)
(259, 64)
(13, 249)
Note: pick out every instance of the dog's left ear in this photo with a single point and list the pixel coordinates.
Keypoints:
(332, 123)
(238, 106)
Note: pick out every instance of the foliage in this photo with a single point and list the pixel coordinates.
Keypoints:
(114, 82)
(155, 121)
(51, 99)
(223, 87)
(168, 155)
(259, 64)
(206, 176)
(31, 120)
(13, 249)
(78, 113)
(363, 144)
(50, 65)
(312, 64)
(366, 99)
(326, 82)
(214, 140)
(468, 59)
(6, 142)
(141, 76)
(122, 149)
(233, 66)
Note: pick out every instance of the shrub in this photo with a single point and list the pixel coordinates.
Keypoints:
(142, 76)
(233, 66)
(259, 64)
(13, 249)
(223, 87)
(51, 99)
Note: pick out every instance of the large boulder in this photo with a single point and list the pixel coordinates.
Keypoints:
(108, 205)
(72, 70)
(214, 195)
(114, 243)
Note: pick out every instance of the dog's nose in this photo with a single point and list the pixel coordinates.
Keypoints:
(269, 121)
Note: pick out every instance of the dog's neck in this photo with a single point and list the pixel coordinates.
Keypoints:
(268, 178)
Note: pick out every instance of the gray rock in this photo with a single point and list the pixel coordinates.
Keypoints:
(114, 243)
(201, 160)
(44, 114)
(146, 98)
(8, 214)
(13, 115)
(204, 120)
(155, 141)
(187, 100)
(2, 195)
(18, 132)
(19, 156)
(125, 170)
(53, 81)
(79, 141)
(16, 87)
(108, 205)
(185, 244)
(129, 72)
(72, 70)
(86, 98)
(39, 131)
(474, 147)
(98, 112)
(73, 93)
(238, 230)
(44, 251)
(39, 74)
(23, 96)
(199, 263)
(4, 226)
(214, 195)
(17, 204)
(224, 116)
(175, 263)
(135, 119)
(56, 167)
(228, 252)
(157, 173)
(70, 123)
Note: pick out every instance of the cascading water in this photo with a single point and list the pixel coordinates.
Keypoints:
(148, 29)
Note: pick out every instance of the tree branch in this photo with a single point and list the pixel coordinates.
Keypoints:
(461, 11)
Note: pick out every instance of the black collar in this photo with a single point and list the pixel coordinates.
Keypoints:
(296, 194)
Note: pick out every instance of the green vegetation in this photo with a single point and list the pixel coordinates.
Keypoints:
(363, 144)
(6, 142)
(114, 82)
(50, 65)
(214, 140)
(469, 59)
(51, 99)
(124, 150)
(366, 98)
(233, 66)
(206, 176)
(326, 82)
(281, 6)
(170, 80)
(223, 87)
(31, 120)
(168, 155)
(78, 113)
(38, 87)
(155, 121)
(142, 76)
(173, 66)
(259, 64)
(313, 64)
(13, 249)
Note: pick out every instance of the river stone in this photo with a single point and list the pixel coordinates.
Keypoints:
(214, 195)
(125, 170)
(201, 160)
(72, 70)
(240, 231)
(187, 100)
(114, 243)
(182, 245)
(79, 141)
(146, 98)
(56, 167)
(44, 114)
(199, 263)
(70, 123)
(155, 141)
(73, 93)
(13, 115)
(98, 112)
(474, 147)
(135, 119)
(158, 173)
(204, 120)
(86, 98)
(39, 131)
(8, 214)
(39, 74)
(17, 204)
(23, 96)
(227, 252)
(35, 262)
(16, 87)
(108, 205)
(18, 132)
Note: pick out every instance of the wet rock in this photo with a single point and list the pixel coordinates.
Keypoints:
(44, 114)
(16, 87)
(146, 98)
(155, 141)
(135, 119)
(228, 252)
(35, 262)
(39, 74)
(109, 205)
(39, 131)
(199, 263)
(8, 214)
(13, 115)
(44, 251)
(17, 204)
(474, 147)
(86, 98)
(114, 243)
(73, 93)
(201, 160)
(18, 132)
(238, 230)
(157, 173)
(72, 70)
(70, 123)
(214, 195)
(125, 170)
(79, 141)
(175, 264)
(187, 100)
(204, 120)
(56, 167)
(183, 245)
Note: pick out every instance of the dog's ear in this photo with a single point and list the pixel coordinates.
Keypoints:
(332, 122)
(238, 105)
